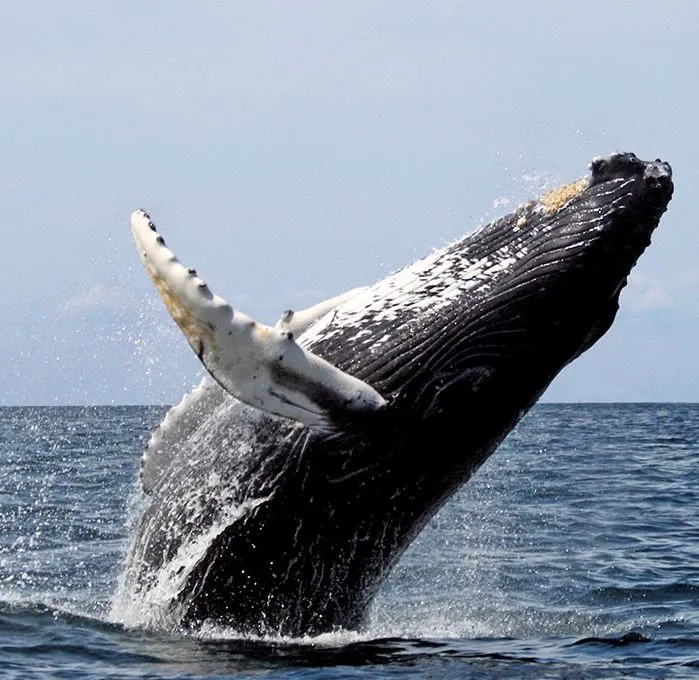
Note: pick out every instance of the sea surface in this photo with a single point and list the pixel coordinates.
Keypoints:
(573, 553)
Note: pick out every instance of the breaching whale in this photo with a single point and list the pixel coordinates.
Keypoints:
(283, 489)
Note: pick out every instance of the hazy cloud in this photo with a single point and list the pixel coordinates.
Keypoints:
(98, 298)
(646, 293)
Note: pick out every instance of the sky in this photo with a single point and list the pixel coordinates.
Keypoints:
(293, 150)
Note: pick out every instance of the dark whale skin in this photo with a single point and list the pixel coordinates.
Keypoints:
(260, 524)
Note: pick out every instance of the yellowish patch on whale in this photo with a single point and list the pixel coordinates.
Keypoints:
(197, 332)
(556, 199)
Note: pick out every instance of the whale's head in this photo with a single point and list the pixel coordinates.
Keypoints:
(475, 333)
(570, 255)
(591, 235)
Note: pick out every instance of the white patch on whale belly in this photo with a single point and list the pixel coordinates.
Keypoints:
(425, 287)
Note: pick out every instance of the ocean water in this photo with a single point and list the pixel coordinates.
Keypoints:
(573, 553)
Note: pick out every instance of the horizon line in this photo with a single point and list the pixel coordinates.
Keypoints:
(538, 403)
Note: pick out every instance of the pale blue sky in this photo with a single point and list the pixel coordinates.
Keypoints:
(292, 150)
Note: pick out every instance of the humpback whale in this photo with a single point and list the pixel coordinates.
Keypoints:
(283, 489)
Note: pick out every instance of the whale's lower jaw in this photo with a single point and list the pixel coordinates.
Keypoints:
(268, 527)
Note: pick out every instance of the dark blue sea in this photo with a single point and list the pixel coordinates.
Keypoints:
(573, 553)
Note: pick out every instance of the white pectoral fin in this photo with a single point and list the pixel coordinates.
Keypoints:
(260, 365)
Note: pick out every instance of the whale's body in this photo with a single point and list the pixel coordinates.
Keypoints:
(268, 525)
